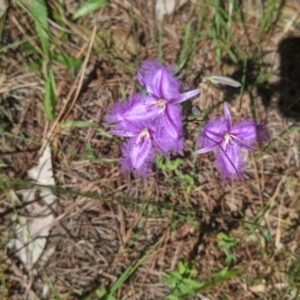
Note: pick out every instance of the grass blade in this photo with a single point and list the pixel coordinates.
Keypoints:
(50, 96)
(76, 124)
(88, 7)
(40, 14)
(129, 271)
(183, 57)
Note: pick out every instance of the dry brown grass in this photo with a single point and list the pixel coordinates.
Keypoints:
(105, 220)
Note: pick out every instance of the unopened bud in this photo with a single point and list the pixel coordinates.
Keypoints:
(223, 80)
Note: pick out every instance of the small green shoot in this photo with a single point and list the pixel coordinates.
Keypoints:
(186, 181)
(227, 243)
(167, 165)
(91, 152)
(184, 285)
(181, 281)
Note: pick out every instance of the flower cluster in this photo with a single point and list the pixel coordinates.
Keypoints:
(152, 122)
(229, 140)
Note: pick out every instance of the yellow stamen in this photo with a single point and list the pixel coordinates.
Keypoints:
(161, 103)
(228, 138)
(145, 133)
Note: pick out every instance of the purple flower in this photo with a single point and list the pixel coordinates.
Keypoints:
(138, 154)
(229, 140)
(152, 122)
(164, 88)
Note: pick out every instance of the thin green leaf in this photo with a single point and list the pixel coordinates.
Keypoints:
(168, 280)
(40, 14)
(50, 96)
(268, 236)
(217, 279)
(88, 7)
(224, 272)
(186, 290)
(175, 274)
(191, 283)
(181, 267)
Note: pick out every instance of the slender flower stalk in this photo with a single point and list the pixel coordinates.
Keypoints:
(228, 140)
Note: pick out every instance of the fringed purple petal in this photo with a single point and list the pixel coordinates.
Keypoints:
(148, 69)
(154, 84)
(159, 81)
(213, 134)
(138, 110)
(145, 109)
(230, 161)
(118, 112)
(170, 130)
(262, 132)
(138, 155)
(248, 132)
(169, 142)
(130, 129)
(245, 131)
(115, 115)
(162, 85)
